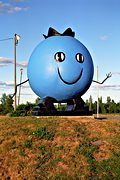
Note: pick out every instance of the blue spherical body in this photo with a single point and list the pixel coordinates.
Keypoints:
(60, 67)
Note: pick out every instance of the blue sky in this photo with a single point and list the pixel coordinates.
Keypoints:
(95, 22)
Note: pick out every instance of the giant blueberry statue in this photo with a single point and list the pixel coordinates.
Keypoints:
(60, 69)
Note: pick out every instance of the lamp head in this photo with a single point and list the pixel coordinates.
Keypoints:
(17, 38)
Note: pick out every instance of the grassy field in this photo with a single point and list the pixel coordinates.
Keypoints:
(59, 148)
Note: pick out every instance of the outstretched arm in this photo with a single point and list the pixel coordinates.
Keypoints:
(17, 86)
(107, 76)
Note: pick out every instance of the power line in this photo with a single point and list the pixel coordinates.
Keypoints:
(6, 39)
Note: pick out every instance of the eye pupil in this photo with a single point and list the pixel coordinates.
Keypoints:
(59, 56)
(79, 57)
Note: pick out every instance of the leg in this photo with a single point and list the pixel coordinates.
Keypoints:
(80, 107)
(79, 104)
(70, 105)
(46, 104)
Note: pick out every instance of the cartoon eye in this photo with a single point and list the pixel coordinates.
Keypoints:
(79, 57)
(59, 56)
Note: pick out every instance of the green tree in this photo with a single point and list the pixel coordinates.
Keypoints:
(1, 109)
(118, 107)
(108, 104)
(3, 99)
(113, 107)
(23, 110)
(37, 100)
(90, 103)
(95, 107)
(101, 106)
(6, 104)
(9, 104)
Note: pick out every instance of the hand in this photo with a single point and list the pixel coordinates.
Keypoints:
(109, 75)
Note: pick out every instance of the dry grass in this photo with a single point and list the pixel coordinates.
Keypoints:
(59, 148)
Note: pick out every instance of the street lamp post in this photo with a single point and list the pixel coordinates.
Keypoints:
(21, 72)
(97, 94)
(16, 39)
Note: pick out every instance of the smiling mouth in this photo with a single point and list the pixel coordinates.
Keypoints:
(73, 82)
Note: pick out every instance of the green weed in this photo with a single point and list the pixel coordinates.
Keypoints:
(62, 176)
(26, 131)
(10, 133)
(22, 152)
(81, 130)
(43, 158)
(109, 169)
(42, 147)
(60, 147)
(13, 144)
(27, 144)
(43, 133)
(86, 148)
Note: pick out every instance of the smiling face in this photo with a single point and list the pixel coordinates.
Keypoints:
(60, 57)
(60, 67)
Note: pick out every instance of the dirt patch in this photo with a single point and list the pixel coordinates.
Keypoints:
(77, 147)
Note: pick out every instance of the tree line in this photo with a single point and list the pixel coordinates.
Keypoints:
(110, 106)
(6, 106)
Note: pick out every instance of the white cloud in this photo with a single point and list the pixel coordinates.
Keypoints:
(104, 37)
(19, 0)
(2, 83)
(10, 8)
(22, 64)
(114, 87)
(3, 65)
(16, 9)
(11, 84)
(118, 73)
(7, 61)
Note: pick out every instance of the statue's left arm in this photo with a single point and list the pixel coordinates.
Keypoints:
(107, 76)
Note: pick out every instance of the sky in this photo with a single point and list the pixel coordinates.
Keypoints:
(96, 24)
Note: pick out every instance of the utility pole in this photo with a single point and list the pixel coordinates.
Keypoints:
(16, 39)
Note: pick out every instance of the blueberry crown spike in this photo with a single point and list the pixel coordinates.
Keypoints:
(53, 32)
